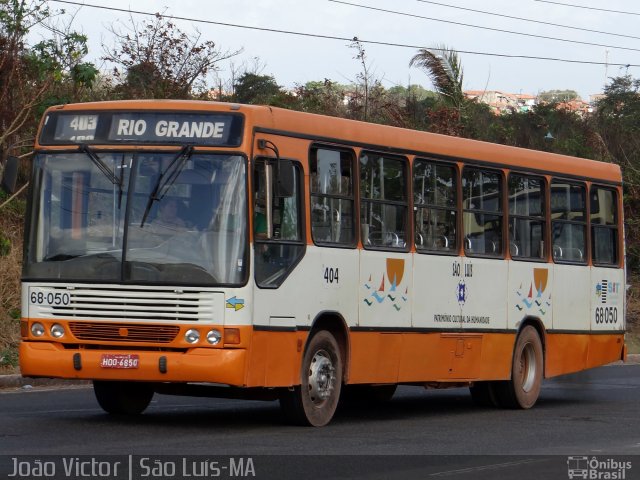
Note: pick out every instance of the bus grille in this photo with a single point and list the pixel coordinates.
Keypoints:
(137, 304)
(124, 332)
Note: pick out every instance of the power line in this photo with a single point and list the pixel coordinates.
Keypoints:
(541, 22)
(343, 39)
(588, 8)
(484, 28)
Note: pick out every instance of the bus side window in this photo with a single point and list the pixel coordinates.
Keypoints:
(482, 214)
(568, 221)
(277, 225)
(332, 197)
(526, 217)
(604, 225)
(435, 202)
(383, 201)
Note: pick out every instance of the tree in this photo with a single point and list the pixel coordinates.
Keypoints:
(325, 97)
(442, 66)
(617, 122)
(29, 73)
(365, 81)
(154, 59)
(558, 96)
(261, 90)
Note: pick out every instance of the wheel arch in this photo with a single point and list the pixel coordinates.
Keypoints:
(334, 322)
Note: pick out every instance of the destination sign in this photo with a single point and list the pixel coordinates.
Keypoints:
(217, 129)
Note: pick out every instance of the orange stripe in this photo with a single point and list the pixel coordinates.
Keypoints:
(273, 359)
(567, 353)
(426, 357)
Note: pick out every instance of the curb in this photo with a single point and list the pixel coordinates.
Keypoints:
(18, 381)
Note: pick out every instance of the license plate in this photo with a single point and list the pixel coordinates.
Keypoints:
(119, 360)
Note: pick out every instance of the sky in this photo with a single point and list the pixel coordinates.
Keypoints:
(294, 59)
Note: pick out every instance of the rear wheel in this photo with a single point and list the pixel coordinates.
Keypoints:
(523, 389)
(314, 401)
(127, 398)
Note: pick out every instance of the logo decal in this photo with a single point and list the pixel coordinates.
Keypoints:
(461, 292)
(389, 289)
(608, 292)
(537, 298)
(235, 303)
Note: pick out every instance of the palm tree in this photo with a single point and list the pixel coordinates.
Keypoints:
(442, 66)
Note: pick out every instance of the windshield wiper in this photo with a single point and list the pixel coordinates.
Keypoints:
(101, 165)
(166, 179)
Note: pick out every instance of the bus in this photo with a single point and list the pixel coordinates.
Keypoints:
(218, 249)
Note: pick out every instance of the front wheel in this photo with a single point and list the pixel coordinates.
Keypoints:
(125, 398)
(314, 401)
(526, 372)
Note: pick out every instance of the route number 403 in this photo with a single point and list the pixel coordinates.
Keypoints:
(331, 275)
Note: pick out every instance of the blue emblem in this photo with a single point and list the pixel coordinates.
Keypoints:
(461, 293)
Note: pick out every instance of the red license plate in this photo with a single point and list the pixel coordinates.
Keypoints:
(119, 360)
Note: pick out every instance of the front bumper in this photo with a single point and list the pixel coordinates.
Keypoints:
(215, 365)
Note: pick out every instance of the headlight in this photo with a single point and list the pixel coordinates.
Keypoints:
(37, 329)
(213, 337)
(57, 330)
(192, 336)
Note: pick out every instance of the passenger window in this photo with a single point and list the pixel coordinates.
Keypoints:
(482, 212)
(604, 226)
(383, 201)
(526, 217)
(332, 197)
(277, 225)
(568, 221)
(435, 202)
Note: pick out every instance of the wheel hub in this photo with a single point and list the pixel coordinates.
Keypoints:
(322, 375)
(528, 367)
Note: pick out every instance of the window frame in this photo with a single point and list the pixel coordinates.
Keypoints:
(543, 218)
(355, 221)
(362, 201)
(501, 213)
(615, 227)
(585, 223)
(302, 242)
(427, 206)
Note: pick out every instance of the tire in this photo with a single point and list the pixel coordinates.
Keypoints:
(123, 398)
(523, 389)
(314, 401)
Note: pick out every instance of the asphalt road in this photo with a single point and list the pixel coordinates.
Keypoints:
(420, 433)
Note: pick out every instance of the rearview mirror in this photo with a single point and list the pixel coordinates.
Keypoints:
(10, 174)
(285, 179)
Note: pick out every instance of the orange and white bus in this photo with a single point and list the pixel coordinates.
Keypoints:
(246, 251)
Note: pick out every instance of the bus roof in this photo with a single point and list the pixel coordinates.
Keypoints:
(376, 136)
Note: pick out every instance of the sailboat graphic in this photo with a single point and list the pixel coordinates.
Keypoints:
(379, 298)
(539, 297)
(529, 300)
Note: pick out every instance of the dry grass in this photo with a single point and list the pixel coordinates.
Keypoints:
(633, 315)
(11, 228)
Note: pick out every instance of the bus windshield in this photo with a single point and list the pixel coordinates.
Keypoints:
(100, 216)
